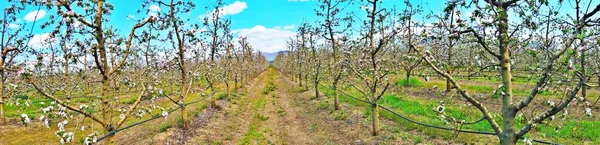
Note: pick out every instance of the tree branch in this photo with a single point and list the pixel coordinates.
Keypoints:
(552, 111)
(463, 93)
(128, 45)
(63, 103)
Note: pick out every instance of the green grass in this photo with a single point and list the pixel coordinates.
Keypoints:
(268, 89)
(254, 135)
(420, 110)
(270, 86)
(223, 96)
(164, 127)
(408, 106)
(261, 117)
(579, 130)
(260, 103)
(129, 100)
(483, 89)
(340, 115)
(323, 105)
(414, 82)
(34, 108)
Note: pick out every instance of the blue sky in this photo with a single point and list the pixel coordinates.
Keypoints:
(268, 23)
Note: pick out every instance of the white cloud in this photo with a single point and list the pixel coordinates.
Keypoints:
(31, 16)
(288, 27)
(40, 40)
(234, 8)
(130, 17)
(267, 39)
(154, 8)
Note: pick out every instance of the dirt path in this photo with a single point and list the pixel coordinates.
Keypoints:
(263, 116)
(277, 111)
(270, 113)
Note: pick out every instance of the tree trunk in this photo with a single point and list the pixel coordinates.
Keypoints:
(67, 77)
(300, 79)
(335, 98)
(583, 88)
(306, 79)
(3, 118)
(227, 89)
(512, 140)
(375, 118)
(184, 117)
(408, 77)
(316, 88)
(448, 84)
(106, 115)
(317, 81)
(237, 80)
(507, 137)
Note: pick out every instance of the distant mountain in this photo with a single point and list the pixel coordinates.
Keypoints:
(271, 56)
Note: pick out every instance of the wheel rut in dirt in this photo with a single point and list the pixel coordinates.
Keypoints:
(277, 111)
(263, 116)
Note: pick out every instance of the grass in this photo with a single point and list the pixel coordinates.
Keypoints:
(270, 86)
(42, 135)
(340, 115)
(129, 100)
(323, 105)
(573, 131)
(164, 127)
(408, 106)
(578, 130)
(255, 133)
(34, 109)
(479, 88)
(260, 103)
(413, 82)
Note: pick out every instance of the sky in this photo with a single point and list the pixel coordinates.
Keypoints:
(267, 23)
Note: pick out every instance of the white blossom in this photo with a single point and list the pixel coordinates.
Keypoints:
(83, 106)
(141, 113)
(46, 110)
(165, 114)
(67, 137)
(91, 139)
(564, 115)
(550, 103)
(440, 109)
(47, 123)
(25, 119)
(588, 112)
(527, 141)
(61, 125)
